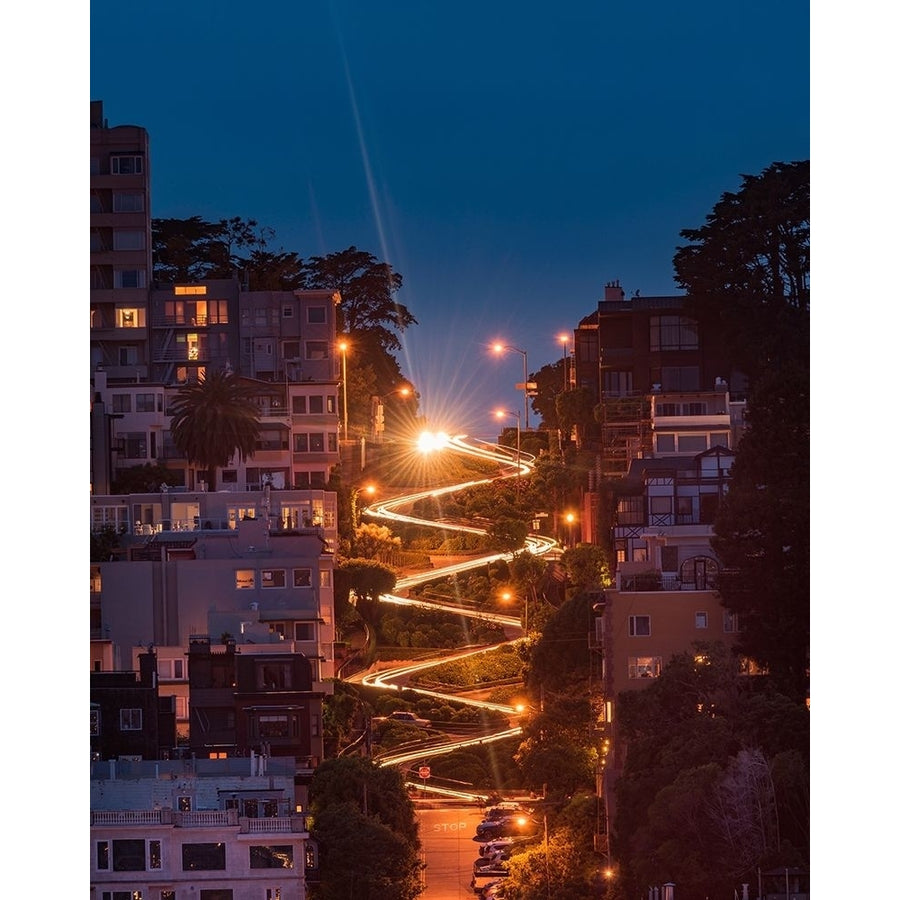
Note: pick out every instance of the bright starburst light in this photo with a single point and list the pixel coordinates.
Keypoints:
(429, 441)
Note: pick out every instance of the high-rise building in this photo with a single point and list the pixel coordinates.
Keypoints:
(121, 262)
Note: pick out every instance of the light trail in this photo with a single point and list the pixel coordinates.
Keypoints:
(522, 464)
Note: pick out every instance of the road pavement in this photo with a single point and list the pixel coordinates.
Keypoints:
(449, 851)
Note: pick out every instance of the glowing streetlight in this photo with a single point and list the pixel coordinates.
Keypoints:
(500, 348)
(378, 408)
(564, 338)
(370, 490)
(501, 413)
(342, 346)
(570, 521)
(507, 597)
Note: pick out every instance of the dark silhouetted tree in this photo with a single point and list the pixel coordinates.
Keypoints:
(213, 419)
(747, 268)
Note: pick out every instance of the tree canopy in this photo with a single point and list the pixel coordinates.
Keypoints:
(748, 267)
(716, 778)
(366, 827)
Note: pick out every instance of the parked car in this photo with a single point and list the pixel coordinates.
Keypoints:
(486, 877)
(509, 826)
(490, 847)
(501, 810)
(492, 861)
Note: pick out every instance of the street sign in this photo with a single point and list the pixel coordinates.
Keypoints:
(424, 772)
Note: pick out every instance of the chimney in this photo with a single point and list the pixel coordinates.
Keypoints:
(613, 291)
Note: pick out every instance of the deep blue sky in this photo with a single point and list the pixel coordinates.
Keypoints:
(508, 159)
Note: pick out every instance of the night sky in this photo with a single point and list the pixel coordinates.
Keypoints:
(508, 159)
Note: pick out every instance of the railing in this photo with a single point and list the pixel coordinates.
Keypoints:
(206, 817)
(132, 817)
(273, 825)
(651, 582)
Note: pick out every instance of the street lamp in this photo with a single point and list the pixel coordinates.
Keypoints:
(378, 409)
(564, 338)
(354, 502)
(342, 346)
(570, 520)
(500, 348)
(507, 597)
(500, 414)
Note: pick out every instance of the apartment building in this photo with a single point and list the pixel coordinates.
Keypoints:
(628, 350)
(128, 716)
(121, 264)
(210, 829)
(256, 566)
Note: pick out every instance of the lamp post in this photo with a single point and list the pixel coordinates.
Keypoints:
(564, 338)
(506, 597)
(342, 346)
(570, 519)
(500, 348)
(505, 412)
(378, 409)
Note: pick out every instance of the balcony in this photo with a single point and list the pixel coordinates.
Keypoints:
(654, 581)
(204, 818)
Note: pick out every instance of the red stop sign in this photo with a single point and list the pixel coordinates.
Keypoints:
(424, 772)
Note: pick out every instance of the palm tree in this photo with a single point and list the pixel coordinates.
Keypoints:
(214, 418)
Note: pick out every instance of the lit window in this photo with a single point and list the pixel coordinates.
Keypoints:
(644, 666)
(244, 578)
(129, 318)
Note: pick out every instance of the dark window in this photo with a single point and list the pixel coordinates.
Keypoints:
(299, 405)
(216, 894)
(276, 857)
(155, 855)
(144, 403)
(316, 404)
(673, 333)
(303, 631)
(669, 559)
(630, 511)
(102, 854)
(203, 857)
(129, 856)
(302, 577)
(317, 443)
(121, 403)
(301, 443)
(315, 315)
(135, 444)
(127, 165)
(639, 626)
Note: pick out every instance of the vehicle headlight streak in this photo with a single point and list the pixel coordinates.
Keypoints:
(536, 544)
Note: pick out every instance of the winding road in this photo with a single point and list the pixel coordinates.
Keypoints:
(516, 464)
